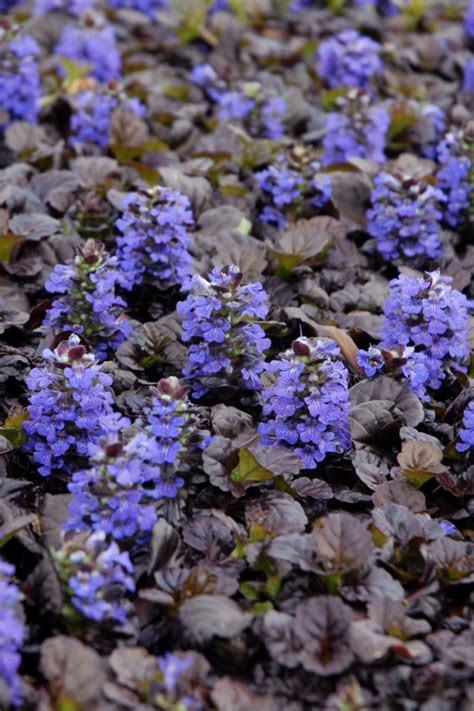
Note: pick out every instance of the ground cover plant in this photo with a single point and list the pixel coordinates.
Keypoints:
(236, 355)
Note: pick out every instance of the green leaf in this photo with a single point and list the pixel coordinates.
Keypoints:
(257, 533)
(401, 121)
(241, 9)
(286, 262)
(248, 469)
(7, 243)
(332, 583)
(273, 585)
(306, 241)
(244, 226)
(69, 704)
(151, 175)
(123, 153)
(239, 551)
(75, 70)
(13, 429)
(261, 608)
(228, 190)
(418, 479)
(177, 91)
(250, 592)
(330, 97)
(378, 537)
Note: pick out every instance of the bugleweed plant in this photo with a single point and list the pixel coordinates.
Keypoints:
(429, 319)
(348, 59)
(88, 303)
(226, 345)
(306, 408)
(68, 396)
(12, 634)
(20, 86)
(405, 218)
(356, 130)
(92, 44)
(454, 176)
(96, 576)
(153, 245)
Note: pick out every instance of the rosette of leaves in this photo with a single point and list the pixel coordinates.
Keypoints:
(95, 208)
(389, 628)
(339, 550)
(453, 560)
(153, 347)
(420, 461)
(400, 534)
(316, 636)
(306, 242)
(415, 125)
(172, 681)
(380, 407)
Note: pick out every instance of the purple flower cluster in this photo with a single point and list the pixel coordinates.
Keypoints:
(429, 319)
(129, 474)
(111, 495)
(356, 130)
(96, 576)
(273, 112)
(93, 112)
(349, 59)
(6, 5)
(20, 86)
(469, 20)
(92, 43)
(88, 304)
(147, 7)
(226, 345)
(466, 435)
(405, 217)
(453, 178)
(233, 105)
(434, 119)
(307, 406)
(371, 361)
(203, 75)
(385, 7)
(73, 7)
(172, 673)
(468, 77)
(67, 400)
(171, 668)
(12, 633)
(263, 114)
(153, 246)
(290, 191)
(178, 433)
